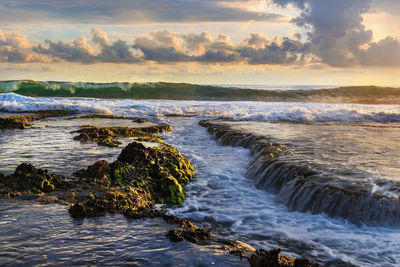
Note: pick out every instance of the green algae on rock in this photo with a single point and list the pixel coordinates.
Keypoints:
(163, 171)
(119, 199)
(273, 258)
(108, 116)
(191, 233)
(160, 170)
(22, 122)
(141, 176)
(106, 136)
(28, 179)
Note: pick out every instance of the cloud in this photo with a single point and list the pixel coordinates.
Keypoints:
(283, 53)
(163, 46)
(386, 52)
(168, 47)
(15, 48)
(387, 6)
(80, 51)
(77, 51)
(105, 12)
(345, 45)
(337, 35)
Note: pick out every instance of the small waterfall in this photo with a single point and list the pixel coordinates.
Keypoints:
(303, 189)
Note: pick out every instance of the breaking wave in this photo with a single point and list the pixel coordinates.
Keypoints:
(243, 110)
(184, 91)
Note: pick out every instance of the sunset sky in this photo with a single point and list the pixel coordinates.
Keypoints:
(313, 42)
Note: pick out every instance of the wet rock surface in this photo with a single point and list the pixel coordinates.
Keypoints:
(163, 171)
(273, 258)
(23, 121)
(111, 200)
(29, 180)
(107, 136)
(131, 185)
(302, 188)
(108, 116)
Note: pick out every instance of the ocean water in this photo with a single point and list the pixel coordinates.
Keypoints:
(45, 235)
(351, 144)
(185, 91)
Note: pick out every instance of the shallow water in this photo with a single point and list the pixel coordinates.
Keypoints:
(51, 148)
(49, 144)
(364, 155)
(34, 235)
(221, 197)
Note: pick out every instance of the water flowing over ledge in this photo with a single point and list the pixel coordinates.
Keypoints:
(303, 189)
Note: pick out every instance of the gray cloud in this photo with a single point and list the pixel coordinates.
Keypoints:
(80, 51)
(128, 11)
(168, 47)
(77, 51)
(386, 52)
(15, 48)
(162, 46)
(387, 6)
(337, 35)
(287, 52)
(346, 45)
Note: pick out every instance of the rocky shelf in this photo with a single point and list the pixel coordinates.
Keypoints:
(142, 176)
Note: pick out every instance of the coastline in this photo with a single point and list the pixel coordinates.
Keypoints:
(105, 187)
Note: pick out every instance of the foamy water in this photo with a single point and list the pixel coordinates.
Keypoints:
(254, 111)
(222, 197)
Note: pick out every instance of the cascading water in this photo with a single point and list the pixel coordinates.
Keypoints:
(352, 147)
(303, 189)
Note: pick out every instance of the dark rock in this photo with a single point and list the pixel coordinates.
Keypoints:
(193, 235)
(77, 211)
(106, 136)
(117, 199)
(273, 258)
(22, 122)
(29, 179)
(96, 173)
(175, 236)
(163, 171)
(305, 263)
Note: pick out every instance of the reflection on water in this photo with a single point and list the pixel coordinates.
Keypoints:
(220, 197)
(50, 148)
(46, 235)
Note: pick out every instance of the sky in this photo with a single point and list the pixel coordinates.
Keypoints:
(266, 42)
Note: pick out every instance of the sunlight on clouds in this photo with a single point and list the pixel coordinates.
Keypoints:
(382, 24)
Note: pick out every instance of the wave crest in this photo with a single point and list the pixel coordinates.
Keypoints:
(184, 91)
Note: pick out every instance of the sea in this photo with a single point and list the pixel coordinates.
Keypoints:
(331, 194)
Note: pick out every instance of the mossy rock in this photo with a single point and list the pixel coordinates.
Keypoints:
(22, 122)
(108, 141)
(171, 191)
(262, 257)
(117, 199)
(107, 136)
(163, 171)
(28, 179)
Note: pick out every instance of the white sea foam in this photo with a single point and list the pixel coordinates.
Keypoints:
(246, 110)
(222, 195)
(15, 102)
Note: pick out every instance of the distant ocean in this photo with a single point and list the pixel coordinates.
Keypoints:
(342, 210)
